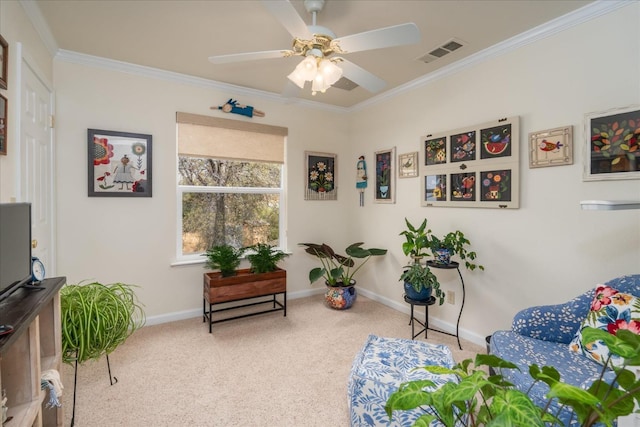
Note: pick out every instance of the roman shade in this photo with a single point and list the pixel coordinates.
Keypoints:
(204, 136)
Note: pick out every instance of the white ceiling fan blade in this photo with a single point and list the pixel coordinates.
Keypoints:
(361, 77)
(284, 12)
(249, 56)
(395, 35)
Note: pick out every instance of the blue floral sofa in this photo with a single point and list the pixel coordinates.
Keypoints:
(543, 335)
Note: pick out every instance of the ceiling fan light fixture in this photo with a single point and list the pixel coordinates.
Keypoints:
(330, 71)
(297, 78)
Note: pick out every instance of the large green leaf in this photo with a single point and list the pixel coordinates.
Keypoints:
(316, 273)
(514, 408)
(408, 396)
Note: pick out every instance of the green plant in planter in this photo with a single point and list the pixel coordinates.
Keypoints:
(264, 258)
(420, 277)
(339, 270)
(417, 240)
(97, 318)
(481, 399)
(225, 258)
(457, 244)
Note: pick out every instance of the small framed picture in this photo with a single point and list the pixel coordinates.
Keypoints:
(3, 125)
(551, 147)
(119, 164)
(322, 180)
(613, 144)
(4, 62)
(408, 165)
(385, 189)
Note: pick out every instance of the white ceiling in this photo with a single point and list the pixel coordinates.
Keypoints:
(179, 36)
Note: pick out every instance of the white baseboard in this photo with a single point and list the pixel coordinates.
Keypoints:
(433, 321)
(197, 312)
(398, 306)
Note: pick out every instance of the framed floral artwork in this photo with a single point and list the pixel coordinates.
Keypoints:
(408, 165)
(613, 144)
(119, 164)
(385, 188)
(551, 147)
(322, 179)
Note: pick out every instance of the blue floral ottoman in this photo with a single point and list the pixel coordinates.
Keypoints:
(380, 367)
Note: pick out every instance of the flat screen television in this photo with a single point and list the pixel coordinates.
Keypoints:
(15, 247)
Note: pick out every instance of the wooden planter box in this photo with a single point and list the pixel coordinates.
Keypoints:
(244, 285)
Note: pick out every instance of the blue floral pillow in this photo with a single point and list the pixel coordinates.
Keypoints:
(611, 310)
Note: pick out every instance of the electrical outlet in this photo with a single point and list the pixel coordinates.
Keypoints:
(451, 297)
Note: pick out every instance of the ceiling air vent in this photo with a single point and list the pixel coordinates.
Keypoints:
(440, 51)
(345, 84)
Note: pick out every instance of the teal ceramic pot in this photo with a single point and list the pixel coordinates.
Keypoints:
(341, 297)
(423, 295)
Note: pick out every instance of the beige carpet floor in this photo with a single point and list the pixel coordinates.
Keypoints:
(265, 370)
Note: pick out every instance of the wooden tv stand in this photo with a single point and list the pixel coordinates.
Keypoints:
(34, 346)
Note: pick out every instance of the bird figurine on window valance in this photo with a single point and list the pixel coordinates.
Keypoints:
(232, 106)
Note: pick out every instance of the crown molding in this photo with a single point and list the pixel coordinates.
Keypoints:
(141, 70)
(34, 14)
(562, 23)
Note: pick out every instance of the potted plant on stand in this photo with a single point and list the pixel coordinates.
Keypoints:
(264, 258)
(453, 243)
(228, 284)
(417, 240)
(225, 258)
(420, 283)
(339, 270)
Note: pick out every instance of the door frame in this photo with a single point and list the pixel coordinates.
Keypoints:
(25, 63)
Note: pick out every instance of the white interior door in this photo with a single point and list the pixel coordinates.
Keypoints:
(37, 174)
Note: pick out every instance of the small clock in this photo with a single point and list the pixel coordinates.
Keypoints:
(37, 269)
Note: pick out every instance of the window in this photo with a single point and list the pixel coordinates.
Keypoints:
(230, 184)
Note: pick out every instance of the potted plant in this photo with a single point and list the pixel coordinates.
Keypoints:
(420, 283)
(338, 270)
(225, 258)
(453, 243)
(264, 258)
(232, 284)
(95, 320)
(479, 398)
(417, 240)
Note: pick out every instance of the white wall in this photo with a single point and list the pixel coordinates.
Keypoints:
(549, 250)
(133, 240)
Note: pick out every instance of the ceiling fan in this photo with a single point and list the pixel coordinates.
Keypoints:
(320, 48)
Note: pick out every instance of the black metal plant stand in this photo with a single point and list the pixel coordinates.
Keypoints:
(113, 380)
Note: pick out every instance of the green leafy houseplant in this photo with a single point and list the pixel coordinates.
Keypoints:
(225, 258)
(264, 258)
(481, 399)
(420, 277)
(339, 270)
(417, 240)
(97, 318)
(457, 244)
